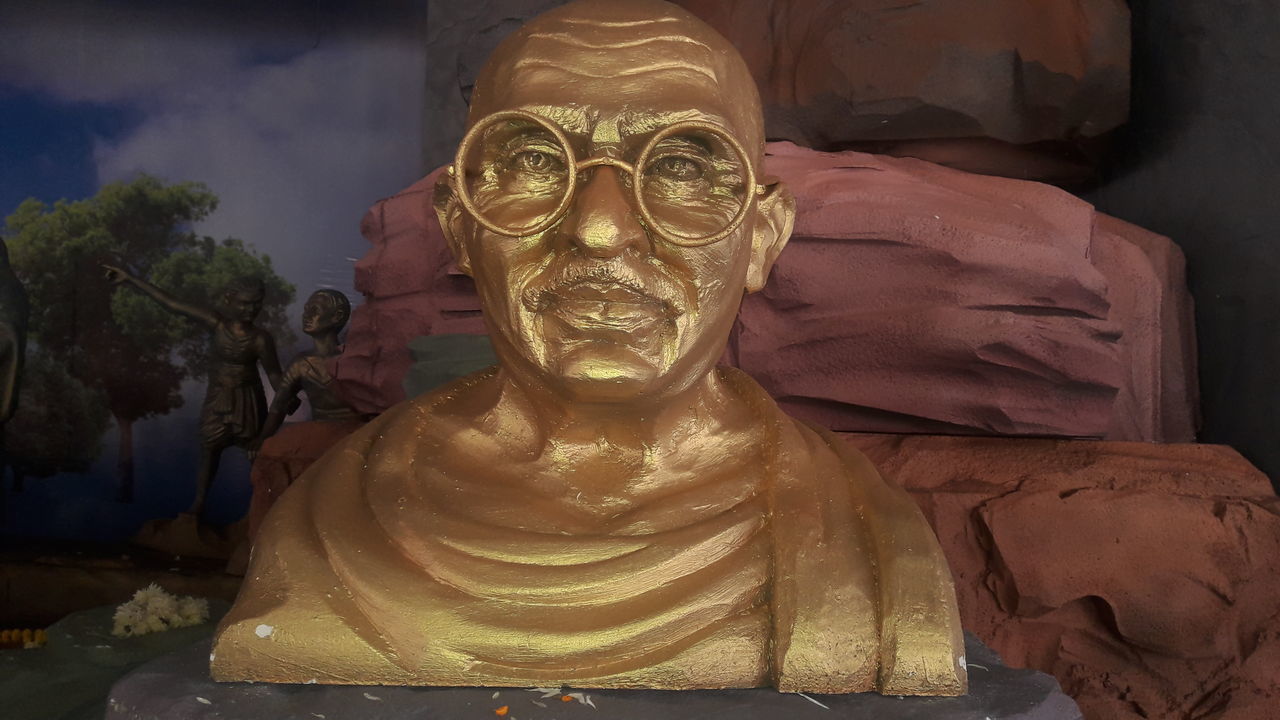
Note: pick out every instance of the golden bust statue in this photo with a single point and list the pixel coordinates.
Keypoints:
(605, 507)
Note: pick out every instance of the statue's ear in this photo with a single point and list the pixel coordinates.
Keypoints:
(449, 212)
(775, 217)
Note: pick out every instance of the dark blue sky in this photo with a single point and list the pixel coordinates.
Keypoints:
(47, 152)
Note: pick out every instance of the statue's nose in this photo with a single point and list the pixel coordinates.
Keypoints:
(603, 222)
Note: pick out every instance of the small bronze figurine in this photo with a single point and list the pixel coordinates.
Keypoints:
(323, 317)
(234, 403)
(13, 335)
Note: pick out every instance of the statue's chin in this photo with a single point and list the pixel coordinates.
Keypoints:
(606, 372)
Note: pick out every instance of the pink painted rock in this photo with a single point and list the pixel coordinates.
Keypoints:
(284, 457)
(412, 287)
(912, 298)
(1143, 576)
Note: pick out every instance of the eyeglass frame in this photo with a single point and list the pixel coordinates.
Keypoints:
(457, 174)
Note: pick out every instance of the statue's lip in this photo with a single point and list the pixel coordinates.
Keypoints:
(606, 292)
(592, 300)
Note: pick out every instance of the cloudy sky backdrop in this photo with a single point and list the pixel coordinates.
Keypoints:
(298, 116)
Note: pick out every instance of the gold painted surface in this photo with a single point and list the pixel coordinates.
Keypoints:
(604, 508)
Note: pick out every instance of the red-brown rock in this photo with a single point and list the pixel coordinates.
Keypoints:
(913, 298)
(1144, 577)
(284, 456)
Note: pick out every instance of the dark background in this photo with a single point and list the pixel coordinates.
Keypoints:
(1198, 162)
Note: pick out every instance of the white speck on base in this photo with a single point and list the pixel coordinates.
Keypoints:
(312, 681)
(203, 701)
(963, 664)
(806, 697)
(367, 696)
(264, 631)
(495, 695)
(210, 657)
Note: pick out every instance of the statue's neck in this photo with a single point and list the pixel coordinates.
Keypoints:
(326, 344)
(706, 408)
(606, 461)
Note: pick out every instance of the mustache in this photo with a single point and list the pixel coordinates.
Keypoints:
(655, 286)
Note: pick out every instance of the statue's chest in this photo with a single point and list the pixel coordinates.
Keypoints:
(595, 497)
(574, 601)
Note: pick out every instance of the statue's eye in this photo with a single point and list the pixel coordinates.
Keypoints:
(535, 161)
(677, 167)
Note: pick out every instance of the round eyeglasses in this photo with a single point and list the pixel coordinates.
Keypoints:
(517, 175)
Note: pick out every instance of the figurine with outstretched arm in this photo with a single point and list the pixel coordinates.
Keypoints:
(234, 403)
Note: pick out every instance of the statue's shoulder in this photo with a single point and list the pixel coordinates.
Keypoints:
(291, 618)
(878, 544)
(804, 450)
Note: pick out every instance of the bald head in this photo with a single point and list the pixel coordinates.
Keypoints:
(592, 56)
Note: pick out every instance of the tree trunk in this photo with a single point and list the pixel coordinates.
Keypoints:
(124, 461)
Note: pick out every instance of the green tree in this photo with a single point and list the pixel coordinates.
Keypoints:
(111, 341)
(59, 423)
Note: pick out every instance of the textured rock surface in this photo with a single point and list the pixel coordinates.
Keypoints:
(1009, 87)
(837, 72)
(1144, 577)
(913, 298)
(178, 686)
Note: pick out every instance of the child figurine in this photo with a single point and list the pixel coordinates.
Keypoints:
(323, 316)
(234, 402)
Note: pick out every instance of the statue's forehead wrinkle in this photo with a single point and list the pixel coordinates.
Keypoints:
(624, 41)
(619, 56)
(628, 58)
(600, 22)
(571, 119)
(605, 73)
(634, 122)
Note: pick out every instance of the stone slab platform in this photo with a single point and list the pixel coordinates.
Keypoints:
(178, 686)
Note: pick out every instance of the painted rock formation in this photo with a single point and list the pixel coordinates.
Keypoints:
(912, 298)
(1143, 576)
(284, 456)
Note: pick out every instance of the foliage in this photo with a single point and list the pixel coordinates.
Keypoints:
(200, 276)
(113, 340)
(59, 423)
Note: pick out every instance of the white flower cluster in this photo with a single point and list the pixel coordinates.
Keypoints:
(154, 610)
